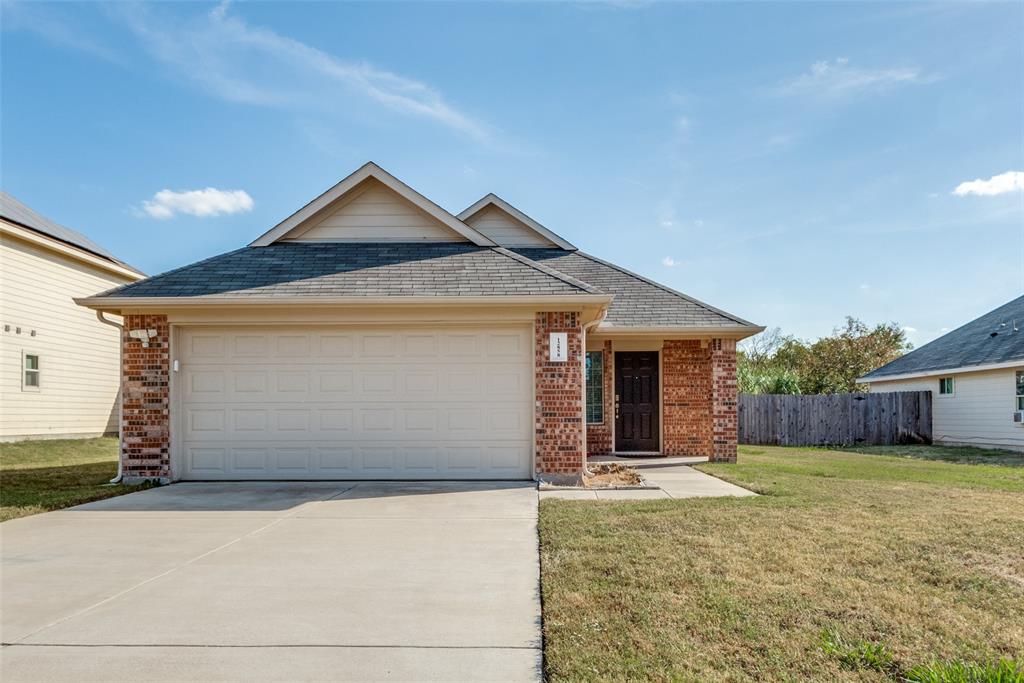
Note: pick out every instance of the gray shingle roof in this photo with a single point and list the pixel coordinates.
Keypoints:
(638, 302)
(315, 269)
(983, 341)
(16, 212)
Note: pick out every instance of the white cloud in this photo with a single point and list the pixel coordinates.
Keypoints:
(202, 203)
(235, 61)
(837, 78)
(667, 224)
(865, 288)
(909, 330)
(669, 261)
(1011, 181)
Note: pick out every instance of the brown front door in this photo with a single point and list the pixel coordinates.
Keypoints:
(636, 401)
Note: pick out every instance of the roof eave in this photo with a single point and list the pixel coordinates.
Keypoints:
(114, 304)
(729, 332)
(33, 236)
(960, 369)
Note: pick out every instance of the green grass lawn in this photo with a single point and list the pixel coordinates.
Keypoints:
(848, 567)
(38, 476)
(967, 455)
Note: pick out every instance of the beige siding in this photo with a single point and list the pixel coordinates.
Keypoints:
(980, 411)
(377, 214)
(505, 230)
(78, 354)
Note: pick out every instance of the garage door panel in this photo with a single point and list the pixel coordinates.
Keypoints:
(357, 461)
(287, 423)
(324, 403)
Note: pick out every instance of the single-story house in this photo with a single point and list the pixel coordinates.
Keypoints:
(60, 365)
(374, 335)
(976, 376)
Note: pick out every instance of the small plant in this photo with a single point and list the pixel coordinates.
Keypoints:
(1003, 671)
(861, 654)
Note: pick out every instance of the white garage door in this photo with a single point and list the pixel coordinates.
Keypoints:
(332, 403)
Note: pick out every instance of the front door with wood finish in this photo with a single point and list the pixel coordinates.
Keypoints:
(636, 401)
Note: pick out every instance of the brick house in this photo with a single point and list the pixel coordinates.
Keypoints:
(374, 335)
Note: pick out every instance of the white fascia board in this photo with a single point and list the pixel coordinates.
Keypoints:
(117, 303)
(943, 372)
(370, 170)
(52, 244)
(737, 332)
(494, 200)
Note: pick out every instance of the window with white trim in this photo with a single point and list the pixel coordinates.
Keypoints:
(946, 386)
(1020, 390)
(594, 385)
(30, 377)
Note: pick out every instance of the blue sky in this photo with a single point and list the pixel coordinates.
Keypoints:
(791, 163)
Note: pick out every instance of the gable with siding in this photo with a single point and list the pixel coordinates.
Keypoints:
(504, 229)
(373, 212)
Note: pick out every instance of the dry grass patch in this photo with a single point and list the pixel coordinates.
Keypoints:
(606, 475)
(917, 559)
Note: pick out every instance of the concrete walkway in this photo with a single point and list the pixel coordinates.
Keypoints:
(273, 582)
(673, 481)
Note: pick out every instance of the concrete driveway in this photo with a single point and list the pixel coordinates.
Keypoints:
(277, 582)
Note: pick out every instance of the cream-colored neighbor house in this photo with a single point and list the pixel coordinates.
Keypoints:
(976, 376)
(59, 373)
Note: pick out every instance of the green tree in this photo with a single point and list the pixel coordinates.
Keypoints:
(773, 363)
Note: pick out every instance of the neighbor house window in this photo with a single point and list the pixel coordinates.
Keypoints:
(595, 387)
(946, 386)
(30, 380)
(1020, 390)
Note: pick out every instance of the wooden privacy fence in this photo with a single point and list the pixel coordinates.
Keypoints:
(882, 419)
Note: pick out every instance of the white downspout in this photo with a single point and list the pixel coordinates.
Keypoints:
(120, 394)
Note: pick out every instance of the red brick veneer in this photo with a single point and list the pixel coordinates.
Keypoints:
(724, 400)
(599, 435)
(700, 401)
(686, 379)
(145, 436)
(559, 415)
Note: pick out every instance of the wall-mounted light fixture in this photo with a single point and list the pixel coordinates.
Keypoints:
(142, 335)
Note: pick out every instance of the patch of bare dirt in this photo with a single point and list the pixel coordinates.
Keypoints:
(605, 475)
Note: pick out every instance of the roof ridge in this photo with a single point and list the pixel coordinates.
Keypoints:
(547, 270)
(664, 288)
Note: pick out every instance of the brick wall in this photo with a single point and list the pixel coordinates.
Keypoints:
(700, 398)
(723, 400)
(686, 378)
(599, 436)
(145, 438)
(559, 412)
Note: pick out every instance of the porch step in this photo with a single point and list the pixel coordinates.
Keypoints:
(652, 461)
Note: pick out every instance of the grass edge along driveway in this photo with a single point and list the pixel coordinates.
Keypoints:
(44, 475)
(848, 567)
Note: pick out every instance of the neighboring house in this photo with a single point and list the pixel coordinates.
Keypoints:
(976, 376)
(60, 373)
(373, 335)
